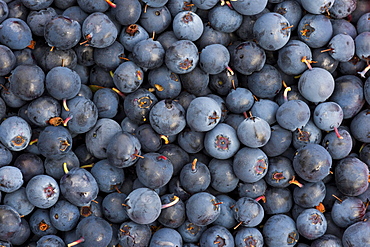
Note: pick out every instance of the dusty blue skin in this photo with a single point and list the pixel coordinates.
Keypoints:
(272, 31)
(280, 230)
(79, 187)
(15, 133)
(311, 223)
(315, 30)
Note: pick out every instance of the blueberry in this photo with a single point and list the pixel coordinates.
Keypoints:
(166, 236)
(278, 200)
(22, 235)
(293, 114)
(128, 126)
(127, 12)
(203, 114)
(221, 142)
(310, 195)
(356, 234)
(166, 83)
(154, 170)
(202, 208)
(224, 19)
(74, 12)
(312, 162)
(113, 208)
(327, 239)
(19, 201)
(173, 211)
(79, 187)
(42, 191)
(4, 11)
(342, 47)
(250, 164)
(167, 117)
(98, 30)
(82, 113)
(345, 27)
(222, 83)
(253, 190)
(138, 104)
(109, 57)
(248, 212)
(62, 83)
(342, 8)
(279, 142)
(190, 232)
(15, 33)
(64, 215)
(317, 6)
(328, 116)
(217, 235)
(15, 133)
(176, 155)
(11, 179)
(348, 93)
(316, 85)
(280, 230)
(291, 10)
(226, 217)
(128, 77)
(107, 176)
(133, 234)
(148, 54)
(249, 7)
(131, 35)
(362, 23)
(205, 5)
(195, 177)
(211, 36)
(248, 236)
(54, 141)
(248, 57)
(254, 132)
(10, 222)
(8, 60)
(41, 110)
(358, 129)
(239, 100)
(156, 19)
(167, 38)
(350, 173)
(315, 30)
(182, 56)
(40, 223)
(6, 156)
(265, 83)
(94, 231)
(100, 136)
(214, 59)
(195, 81)
(272, 31)
(143, 206)
(348, 211)
(311, 224)
(187, 25)
(62, 32)
(149, 139)
(309, 133)
(290, 57)
(27, 81)
(50, 240)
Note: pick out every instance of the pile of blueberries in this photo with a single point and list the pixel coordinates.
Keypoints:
(133, 123)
